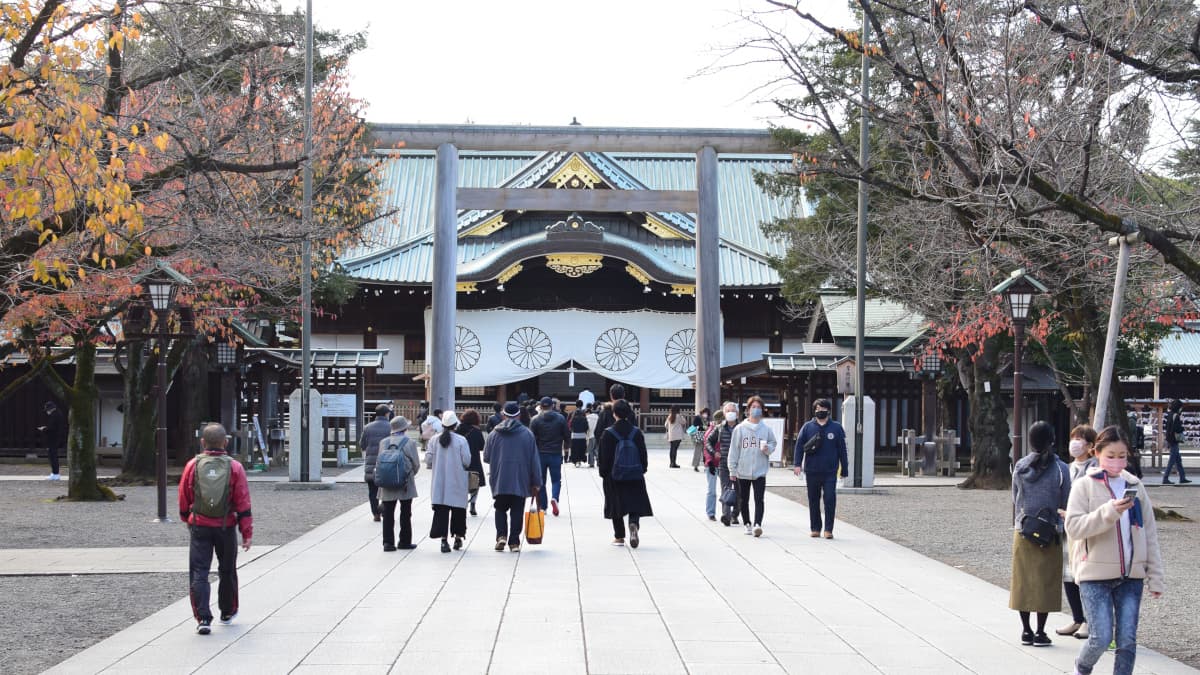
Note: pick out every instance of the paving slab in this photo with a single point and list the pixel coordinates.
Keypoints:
(696, 597)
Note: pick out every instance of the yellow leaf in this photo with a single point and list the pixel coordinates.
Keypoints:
(160, 142)
(147, 250)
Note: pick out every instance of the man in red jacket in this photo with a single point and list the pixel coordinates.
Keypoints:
(214, 533)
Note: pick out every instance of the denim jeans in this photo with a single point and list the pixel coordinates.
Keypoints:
(821, 487)
(551, 462)
(1102, 602)
(710, 499)
(1174, 461)
(591, 452)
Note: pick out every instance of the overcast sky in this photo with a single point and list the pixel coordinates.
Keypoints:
(538, 62)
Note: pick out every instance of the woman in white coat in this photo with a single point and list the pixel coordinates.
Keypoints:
(449, 456)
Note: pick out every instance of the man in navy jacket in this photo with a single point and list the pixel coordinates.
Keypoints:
(820, 466)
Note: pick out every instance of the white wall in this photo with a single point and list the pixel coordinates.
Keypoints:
(393, 363)
(741, 350)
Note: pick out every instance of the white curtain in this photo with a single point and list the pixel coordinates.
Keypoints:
(644, 348)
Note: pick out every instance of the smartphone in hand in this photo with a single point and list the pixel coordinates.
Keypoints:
(1130, 493)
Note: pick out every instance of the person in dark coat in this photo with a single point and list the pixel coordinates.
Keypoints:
(512, 456)
(494, 419)
(625, 497)
(821, 466)
(469, 428)
(56, 437)
(550, 431)
(368, 444)
(578, 424)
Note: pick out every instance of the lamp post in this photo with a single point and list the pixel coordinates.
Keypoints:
(1018, 291)
(931, 366)
(162, 297)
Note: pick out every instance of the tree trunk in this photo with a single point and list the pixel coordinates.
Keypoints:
(991, 446)
(191, 383)
(82, 484)
(137, 437)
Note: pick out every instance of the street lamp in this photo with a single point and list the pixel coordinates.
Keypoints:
(931, 367)
(162, 282)
(1018, 291)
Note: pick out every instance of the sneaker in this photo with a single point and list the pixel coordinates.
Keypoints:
(554, 506)
(445, 546)
(1069, 629)
(228, 618)
(618, 542)
(758, 530)
(814, 534)
(458, 543)
(696, 469)
(734, 521)
(1041, 640)
(515, 548)
(749, 530)
(204, 626)
(388, 548)
(1082, 633)
(725, 521)
(1182, 481)
(1168, 481)
(54, 476)
(828, 535)
(473, 510)
(1026, 637)
(712, 518)
(500, 542)
(406, 547)
(633, 535)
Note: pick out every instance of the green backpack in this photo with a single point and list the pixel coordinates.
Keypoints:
(210, 485)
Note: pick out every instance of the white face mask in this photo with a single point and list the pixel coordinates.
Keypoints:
(1077, 448)
(730, 416)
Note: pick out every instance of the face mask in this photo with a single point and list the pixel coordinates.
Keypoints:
(755, 413)
(730, 416)
(1077, 448)
(821, 414)
(1112, 465)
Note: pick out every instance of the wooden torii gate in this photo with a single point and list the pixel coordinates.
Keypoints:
(447, 140)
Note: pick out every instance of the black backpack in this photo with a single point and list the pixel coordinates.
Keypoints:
(579, 423)
(627, 461)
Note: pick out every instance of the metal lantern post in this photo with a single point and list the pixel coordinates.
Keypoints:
(931, 366)
(1018, 291)
(162, 297)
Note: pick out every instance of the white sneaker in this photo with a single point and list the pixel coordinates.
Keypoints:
(54, 476)
(749, 530)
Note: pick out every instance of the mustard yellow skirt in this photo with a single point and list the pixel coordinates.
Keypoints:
(1036, 576)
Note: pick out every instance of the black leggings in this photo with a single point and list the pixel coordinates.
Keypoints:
(674, 451)
(1074, 601)
(743, 490)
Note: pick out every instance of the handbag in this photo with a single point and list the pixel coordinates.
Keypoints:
(729, 496)
(811, 445)
(535, 523)
(473, 481)
(1041, 529)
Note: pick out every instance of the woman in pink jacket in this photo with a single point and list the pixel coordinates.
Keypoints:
(1114, 552)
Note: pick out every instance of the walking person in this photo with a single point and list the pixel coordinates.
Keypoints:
(623, 463)
(214, 497)
(550, 431)
(368, 443)
(578, 425)
(1040, 487)
(712, 465)
(449, 457)
(593, 418)
(718, 447)
(1174, 433)
(515, 474)
(820, 452)
(1083, 439)
(494, 419)
(1110, 514)
(403, 496)
(700, 423)
(55, 430)
(468, 428)
(431, 426)
(750, 448)
(676, 432)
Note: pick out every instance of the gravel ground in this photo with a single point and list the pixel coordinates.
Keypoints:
(44, 620)
(975, 534)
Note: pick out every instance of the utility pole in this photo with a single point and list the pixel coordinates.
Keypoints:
(306, 253)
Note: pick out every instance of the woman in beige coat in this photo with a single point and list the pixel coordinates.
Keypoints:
(1115, 555)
